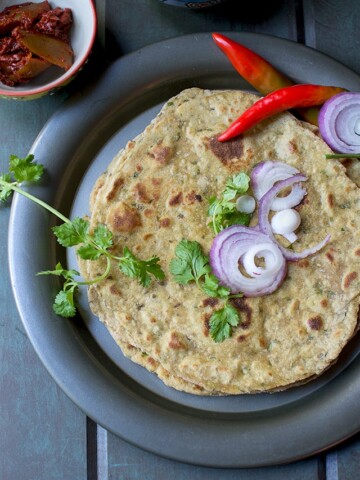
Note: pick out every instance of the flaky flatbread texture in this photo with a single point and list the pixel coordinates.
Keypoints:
(154, 194)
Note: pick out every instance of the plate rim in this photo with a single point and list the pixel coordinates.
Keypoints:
(78, 390)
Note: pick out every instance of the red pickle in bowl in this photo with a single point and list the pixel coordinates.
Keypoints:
(33, 37)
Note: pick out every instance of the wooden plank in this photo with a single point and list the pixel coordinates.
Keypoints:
(42, 433)
(343, 463)
(132, 463)
(147, 21)
(332, 26)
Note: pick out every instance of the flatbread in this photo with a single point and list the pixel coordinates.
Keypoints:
(155, 193)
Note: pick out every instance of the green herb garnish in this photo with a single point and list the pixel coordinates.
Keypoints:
(20, 170)
(191, 264)
(92, 245)
(223, 210)
(132, 267)
(222, 321)
(64, 304)
(342, 155)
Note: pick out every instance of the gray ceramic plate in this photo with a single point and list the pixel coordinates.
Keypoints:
(76, 145)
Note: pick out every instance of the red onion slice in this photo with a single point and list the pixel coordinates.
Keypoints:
(339, 122)
(264, 223)
(239, 244)
(266, 174)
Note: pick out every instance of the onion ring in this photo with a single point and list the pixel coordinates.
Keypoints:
(266, 174)
(339, 122)
(241, 245)
(264, 223)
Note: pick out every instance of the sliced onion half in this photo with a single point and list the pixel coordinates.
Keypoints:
(266, 174)
(240, 246)
(339, 122)
(264, 223)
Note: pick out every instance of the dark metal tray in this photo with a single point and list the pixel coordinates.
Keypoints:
(76, 145)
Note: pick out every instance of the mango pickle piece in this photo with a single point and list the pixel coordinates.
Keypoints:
(48, 48)
(31, 69)
(22, 15)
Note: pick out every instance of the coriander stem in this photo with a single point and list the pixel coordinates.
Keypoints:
(342, 155)
(213, 219)
(101, 277)
(36, 200)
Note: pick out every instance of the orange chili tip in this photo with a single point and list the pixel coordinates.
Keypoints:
(295, 96)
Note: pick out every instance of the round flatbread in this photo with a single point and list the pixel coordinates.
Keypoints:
(155, 193)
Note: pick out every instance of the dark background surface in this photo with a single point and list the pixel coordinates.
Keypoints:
(43, 434)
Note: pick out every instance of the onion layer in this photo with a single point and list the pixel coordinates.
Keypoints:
(339, 122)
(264, 223)
(240, 246)
(237, 250)
(266, 174)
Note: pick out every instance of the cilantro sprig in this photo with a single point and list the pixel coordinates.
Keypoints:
(91, 244)
(222, 210)
(64, 304)
(20, 170)
(191, 264)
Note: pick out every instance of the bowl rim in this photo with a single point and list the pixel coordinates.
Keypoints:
(65, 77)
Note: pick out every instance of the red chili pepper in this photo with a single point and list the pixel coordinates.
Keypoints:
(259, 72)
(279, 101)
(255, 69)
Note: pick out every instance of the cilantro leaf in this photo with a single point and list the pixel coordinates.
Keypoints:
(236, 218)
(5, 189)
(212, 287)
(25, 169)
(89, 252)
(72, 233)
(20, 170)
(181, 271)
(221, 322)
(103, 237)
(190, 262)
(133, 267)
(77, 231)
(64, 304)
(223, 210)
(200, 263)
(236, 185)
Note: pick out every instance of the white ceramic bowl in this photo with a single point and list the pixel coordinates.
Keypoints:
(82, 37)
